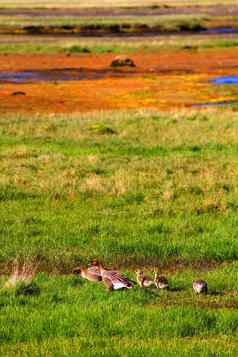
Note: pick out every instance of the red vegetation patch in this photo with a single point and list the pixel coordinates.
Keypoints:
(164, 80)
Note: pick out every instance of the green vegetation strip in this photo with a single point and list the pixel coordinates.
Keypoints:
(164, 21)
(71, 45)
(113, 25)
(102, 26)
(108, 3)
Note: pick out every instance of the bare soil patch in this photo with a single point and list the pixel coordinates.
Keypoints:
(213, 10)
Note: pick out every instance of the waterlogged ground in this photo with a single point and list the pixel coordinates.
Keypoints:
(85, 82)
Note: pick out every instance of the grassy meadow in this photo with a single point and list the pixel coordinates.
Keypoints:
(130, 187)
(134, 188)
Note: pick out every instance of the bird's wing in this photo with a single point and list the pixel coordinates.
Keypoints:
(117, 279)
(108, 283)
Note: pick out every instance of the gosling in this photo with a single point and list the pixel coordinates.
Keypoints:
(160, 281)
(143, 280)
(200, 287)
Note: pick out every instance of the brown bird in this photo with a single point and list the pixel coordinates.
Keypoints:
(161, 282)
(91, 273)
(200, 286)
(143, 281)
(114, 280)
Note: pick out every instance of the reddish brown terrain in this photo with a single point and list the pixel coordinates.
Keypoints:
(164, 80)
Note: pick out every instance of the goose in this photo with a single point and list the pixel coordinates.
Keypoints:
(91, 273)
(200, 286)
(143, 281)
(114, 280)
(160, 281)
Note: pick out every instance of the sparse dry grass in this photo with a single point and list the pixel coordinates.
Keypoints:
(108, 3)
(23, 273)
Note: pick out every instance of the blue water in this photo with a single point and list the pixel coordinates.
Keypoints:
(66, 74)
(222, 30)
(226, 80)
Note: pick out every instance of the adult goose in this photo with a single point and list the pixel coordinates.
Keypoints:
(114, 280)
(91, 273)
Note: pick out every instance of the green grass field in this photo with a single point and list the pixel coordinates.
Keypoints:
(132, 188)
(135, 188)
(73, 318)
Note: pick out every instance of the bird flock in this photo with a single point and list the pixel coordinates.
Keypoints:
(115, 280)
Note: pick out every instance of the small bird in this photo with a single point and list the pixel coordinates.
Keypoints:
(160, 281)
(114, 280)
(91, 273)
(200, 286)
(143, 281)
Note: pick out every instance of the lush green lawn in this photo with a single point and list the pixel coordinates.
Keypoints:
(133, 189)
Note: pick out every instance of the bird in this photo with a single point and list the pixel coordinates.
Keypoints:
(114, 280)
(160, 281)
(91, 273)
(200, 286)
(143, 281)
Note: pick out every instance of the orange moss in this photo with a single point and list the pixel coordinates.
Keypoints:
(163, 80)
